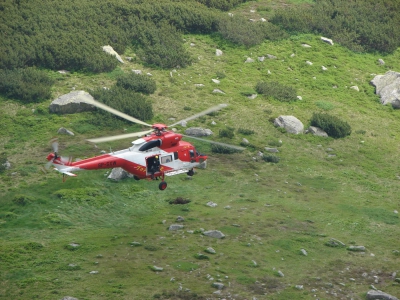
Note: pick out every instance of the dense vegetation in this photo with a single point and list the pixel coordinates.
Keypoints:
(276, 90)
(359, 25)
(332, 125)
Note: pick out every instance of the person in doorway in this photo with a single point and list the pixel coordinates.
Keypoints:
(155, 167)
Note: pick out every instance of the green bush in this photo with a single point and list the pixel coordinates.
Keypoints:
(215, 148)
(126, 101)
(28, 85)
(22, 199)
(245, 131)
(161, 45)
(271, 158)
(359, 25)
(3, 160)
(332, 125)
(226, 133)
(276, 90)
(137, 83)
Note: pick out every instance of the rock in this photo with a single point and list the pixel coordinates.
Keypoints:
(261, 58)
(381, 62)
(180, 219)
(290, 123)
(199, 85)
(94, 272)
(303, 252)
(139, 72)
(387, 87)
(210, 250)
(198, 131)
(211, 204)
(270, 56)
(272, 150)
(326, 40)
(174, 227)
(214, 234)
(249, 60)
(335, 243)
(356, 248)
(63, 130)
(354, 87)
(263, 20)
(375, 295)
(111, 51)
(216, 81)
(316, 131)
(192, 44)
(324, 68)
(280, 274)
(119, 174)
(135, 244)
(218, 285)
(299, 97)
(309, 63)
(73, 102)
(218, 52)
(306, 45)
(156, 269)
(252, 96)
(245, 141)
(69, 298)
(7, 165)
(299, 287)
(218, 91)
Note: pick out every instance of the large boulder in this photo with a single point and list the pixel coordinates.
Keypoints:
(198, 131)
(112, 52)
(316, 131)
(72, 102)
(375, 295)
(388, 88)
(290, 123)
(119, 174)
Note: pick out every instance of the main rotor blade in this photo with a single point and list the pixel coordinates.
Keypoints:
(118, 137)
(116, 112)
(205, 112)
(215, 143)
(54, 144)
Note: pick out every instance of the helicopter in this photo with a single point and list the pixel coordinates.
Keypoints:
(157, 153)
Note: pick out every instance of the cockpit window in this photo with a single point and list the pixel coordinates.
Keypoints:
(191, 153)
(166, 159)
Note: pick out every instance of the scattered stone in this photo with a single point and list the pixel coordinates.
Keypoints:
(280, 274)
(299, 287)
(309, 63)
(211, 204)
(292, 55)
(261, 58)
(254, 263)
(180, 219)
(156, 269)
(69, 298)
(210, 250)
(378, 295)
(218, 285)
(192, 44)
(356, 248)
(396, 212)
(63, 130)
(381, 61)
(354, 87)
(139, 72)
(63, 71)
(174, 227)
(272, 150)
(214, 233)
(252, 96)
(300, 98)
(216, 81)
(7, 165)
(316, 131)
(324, 68)
(112, 52)
(218, 91)
(249, 60)
(335, 243)
(94, 272)
(326, 40)
(201, 256)
(306, 45)
(263, 20)
(270, 56)
(303, 252)
(245, 141)
(218, 52)
(135, 244)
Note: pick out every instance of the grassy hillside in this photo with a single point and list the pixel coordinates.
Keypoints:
(54, 234)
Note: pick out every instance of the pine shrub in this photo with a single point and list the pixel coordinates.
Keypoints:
(332, 125)
(28, 85)
(137, 83)
(276, 90)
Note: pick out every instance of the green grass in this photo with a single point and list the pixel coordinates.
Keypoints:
(268, 212)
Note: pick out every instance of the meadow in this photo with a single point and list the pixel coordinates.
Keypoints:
(92, 238)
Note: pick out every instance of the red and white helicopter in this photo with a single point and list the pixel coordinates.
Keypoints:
(158, 153)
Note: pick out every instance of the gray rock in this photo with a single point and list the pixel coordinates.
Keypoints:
(157, 269)
(245, 141)
(272, 150)
(316, 131)
(335, 243)
(218, 285)
(387, 86)
(174, 227)
(199, 85)
(119, 174)
(306, 45)
(112, 52)
(270, 56)
(7, 165)
(218, 91)
(216, 81)
(381, 61)
(326, 40)
(63, 130)
(378, 295)
(94, 272)
(139, 72)
(218, 52)
(354, 87)
(69, 298)
(303, 252)
(280, 274)
(252, 96)
(210, 250)
(356, 248)
(249, 60)
(180, 219)
(198, 131)
(261, 58)
(309, 63)
(290, 123)
(214, 233)
(73, 102)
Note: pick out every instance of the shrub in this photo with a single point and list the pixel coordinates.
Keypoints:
(137, 83)
(245, 131)
(126, 101)
(227, 133)
(216, 148)
(3, 161)
(222, 4)
(276, 90)
(271, 158)
(28, 85)
(22, 199)
(332, 125)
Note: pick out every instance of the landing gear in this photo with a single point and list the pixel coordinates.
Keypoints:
(162, 186)
(136, 178)
(191, 172)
